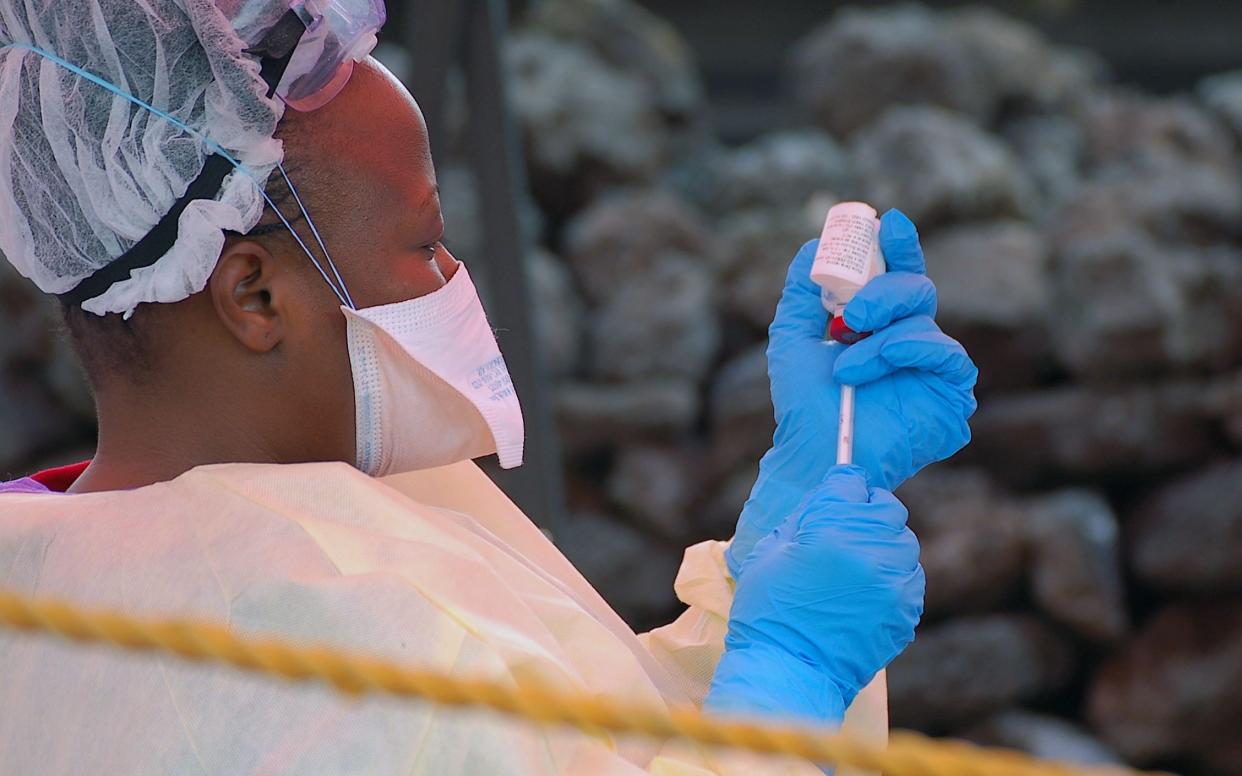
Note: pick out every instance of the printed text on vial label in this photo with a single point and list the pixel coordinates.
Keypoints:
(850, 241)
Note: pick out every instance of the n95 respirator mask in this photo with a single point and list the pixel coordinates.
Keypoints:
(430, 385)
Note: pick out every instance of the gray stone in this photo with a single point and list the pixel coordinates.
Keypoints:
(1119, 290)
(1222, 403)
(1196, 202)
(1171, 694)
(1022, 70)
(1052, 148)
(1152, 131)
(785, 169)
(847, 72)
(1121, 434)
(598, 416)
(995, 286)
(759, 245)
(606, 94)
(634, 574)
(971, 667)
(971, 538)
(974, 61)
(740, 403)
(654, 485)
(557, 310)
(1186, 201)
(992, 274)
(632, 39)
(1048, 738)
(1144, 279)
(661, 322)
(694, 175)
(1075, 563)
(1187, 536)
(624, 236)
(1222, 94)
(1129, 306)
(587, 125)
(937, 167)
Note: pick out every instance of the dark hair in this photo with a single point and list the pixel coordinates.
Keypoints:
(109, 345)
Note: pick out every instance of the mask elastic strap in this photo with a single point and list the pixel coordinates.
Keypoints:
(341, 294)
(349, 300)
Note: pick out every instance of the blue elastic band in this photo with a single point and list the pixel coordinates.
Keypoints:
(341, 293)
(349, 300)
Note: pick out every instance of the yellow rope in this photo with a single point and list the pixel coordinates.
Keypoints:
(908, 754)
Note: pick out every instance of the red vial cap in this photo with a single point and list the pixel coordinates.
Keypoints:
(844, 334)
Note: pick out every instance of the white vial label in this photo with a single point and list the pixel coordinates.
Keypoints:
(848, 254)
(848, 240)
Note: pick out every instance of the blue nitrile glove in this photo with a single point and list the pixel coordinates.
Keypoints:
(826, 600)
(916, 384)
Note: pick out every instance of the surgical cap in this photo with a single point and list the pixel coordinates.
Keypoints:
(85, 173)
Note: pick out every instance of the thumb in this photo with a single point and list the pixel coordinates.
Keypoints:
(844, 485)
(899, 242)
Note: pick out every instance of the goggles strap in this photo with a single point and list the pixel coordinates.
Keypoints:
(276, 49)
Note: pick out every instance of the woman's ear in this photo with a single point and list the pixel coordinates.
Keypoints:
(250, 294)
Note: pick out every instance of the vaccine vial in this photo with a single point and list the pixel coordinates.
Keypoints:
(848, 257)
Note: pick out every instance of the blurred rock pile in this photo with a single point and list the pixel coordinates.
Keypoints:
(1084, 555)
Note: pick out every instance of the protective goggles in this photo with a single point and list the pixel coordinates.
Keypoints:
(309, 55)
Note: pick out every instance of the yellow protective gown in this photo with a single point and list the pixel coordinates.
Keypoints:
(436, 569)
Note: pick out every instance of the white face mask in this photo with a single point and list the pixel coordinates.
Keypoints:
(430, 385)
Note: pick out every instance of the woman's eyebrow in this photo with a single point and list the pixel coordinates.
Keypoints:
(432, 195)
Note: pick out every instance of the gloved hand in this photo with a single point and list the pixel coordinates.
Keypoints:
(915, 394)
(825, 601)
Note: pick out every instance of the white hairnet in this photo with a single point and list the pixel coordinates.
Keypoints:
(85, 174)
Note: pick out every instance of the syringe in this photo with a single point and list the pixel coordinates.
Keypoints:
(848, 257)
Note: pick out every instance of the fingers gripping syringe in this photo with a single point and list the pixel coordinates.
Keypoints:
(848, 257)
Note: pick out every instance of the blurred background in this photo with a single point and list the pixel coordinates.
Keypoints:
(1074, 170)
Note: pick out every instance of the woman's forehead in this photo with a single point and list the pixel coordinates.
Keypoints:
(368, 149)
